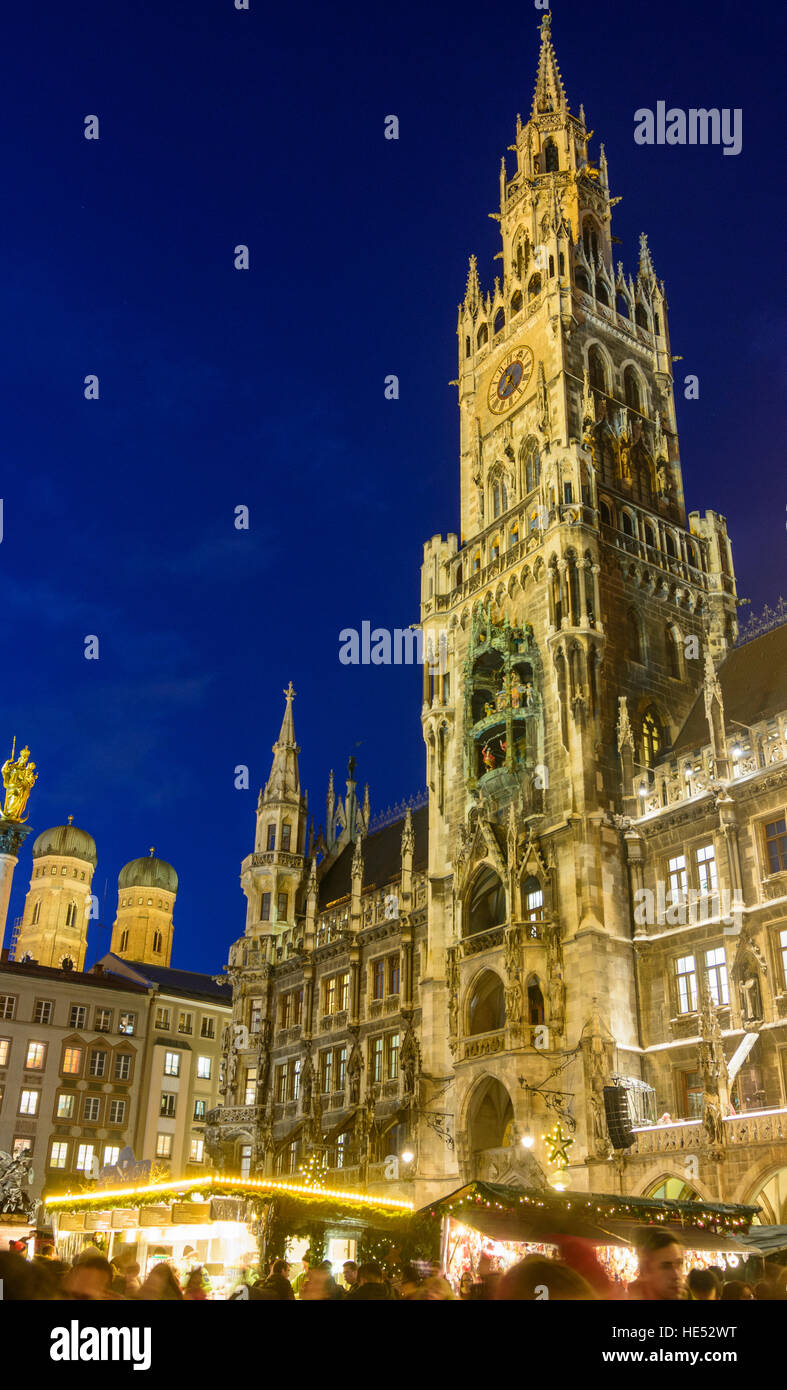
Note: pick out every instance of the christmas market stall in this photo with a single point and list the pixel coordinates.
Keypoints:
(230, 1226)
(509, 1223)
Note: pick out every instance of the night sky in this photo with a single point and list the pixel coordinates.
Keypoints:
(265, 388)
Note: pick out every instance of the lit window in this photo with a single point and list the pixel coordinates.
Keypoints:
(716, 966)
(86, 1158)
(98, 1063)
(103, 1023)
(281, 1084)
(245, 1160)
(128, 1022)
(285, 837)
(775, 847)
(36, 1052)
(326, 1071)
(281, 906)
(296, 1079)
(341, 1150)
(167, 1107)
(706, 869)
(72, 1060)
(376, 1059)
(330, 995)
(185, 1023)
(28, 1102)
(43, 1011)
(378, 978)
(123, 1066)
(65, 1107)
(111, 1155)
(265, 908)
(117, 1112)
(204, 1067)
(255, 1015)
(163, 1146)
(22, 1147)
(392, 1056)
(91, 1109)
(58, 1155)
(250, 1090)
(393, 975)
(341, 1068)
(200, 1109)
(162, 1019)
(208, 1029)
(196, 1150)
(77, 1016)
(678, 879)
(172, 1064)
(271, 838)
(343, 994)
(687, 984)
(7, 1005)
(5, 1048)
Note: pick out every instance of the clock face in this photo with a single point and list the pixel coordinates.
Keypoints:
(510, 381)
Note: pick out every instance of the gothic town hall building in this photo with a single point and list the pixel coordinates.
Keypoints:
(595, 894)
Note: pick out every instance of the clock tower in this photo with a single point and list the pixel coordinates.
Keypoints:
(567, 624)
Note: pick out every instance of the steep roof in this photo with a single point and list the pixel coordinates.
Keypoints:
(188, 983)
(754, 687)
(95, 979)
(382, 858)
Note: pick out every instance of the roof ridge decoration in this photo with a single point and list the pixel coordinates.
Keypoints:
(766, 621)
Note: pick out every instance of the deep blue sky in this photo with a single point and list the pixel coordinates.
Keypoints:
(266, 388)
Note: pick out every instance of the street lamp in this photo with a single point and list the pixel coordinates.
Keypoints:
(527, 1140)
(408, 1156)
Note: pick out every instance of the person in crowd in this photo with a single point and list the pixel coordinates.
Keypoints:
(737, 1291)
(466, 1285)
(126, 1281)
(23, 1280)
(767, 1290)
(161, 1284)
(580, 1255)
(350, 1275)
(278, 1281)
(661, 1275)
(409, 1283)
(435, 1288)
(195, 1289)
(335, 1291)
(704, 1287)
(536, 1278)
(372, 1285)
(90, 1278)
(488, 1278)
(302, 1274)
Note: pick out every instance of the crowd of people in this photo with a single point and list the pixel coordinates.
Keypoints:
(575, 1275)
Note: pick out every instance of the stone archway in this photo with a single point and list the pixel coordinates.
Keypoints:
(770, 1194)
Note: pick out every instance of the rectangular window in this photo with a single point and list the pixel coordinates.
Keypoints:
(91, 1109)
(326, 1072)
(716, 967)
(376, 1059)
(127, 1022)
(167, 1107)
(200, 1109)
(284, 1010)
(98, 1064)
(208, 1029)
(7, 1005)
(86, 1158)
(343, 992)
(103, 1021)
(341, 1068)
(341, 1150)
(775, 847)
(65, 1107)
(58, 1154)
(265, 907)
(297, 1006)
(692, 1088)
(393, 974)
(686, 976)
(117, 1112)
(172, 1064)
(28, 1102)
(706, 869)
(163, 1146)
(22, 1146)
(5, 1049)
(111, 1155)
(185, 1022)
(163, 1019)
(36, 1054)
(281, 1084)
(678, 879)
(72, 1061)
(250, 1089)
(77, 1016)
(271, 838)
(43, 1011)
(281, 906)
(285, 837)
(245, 1160)
(196, 1150)
(783, 945)
(378, 978)
(204, 1068)
(123, 1066)
(330, 995)
(392, 1057)
(296, 1079)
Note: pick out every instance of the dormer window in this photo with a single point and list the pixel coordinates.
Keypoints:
(271, 838)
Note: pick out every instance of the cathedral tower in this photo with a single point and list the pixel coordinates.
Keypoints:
(58, 903)
(144, 926)
(577, 582)
(271, 877)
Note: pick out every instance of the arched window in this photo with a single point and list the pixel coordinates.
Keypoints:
(640, 316)
(482, 336)
(652, 737)
(157, 943)
(71, 915)
(532, 900)
(286, 832)
(581, 282)
(499, 497)
(597, 369)
(627, 523)
(551, 162)
(623, 306)
(606, 515)
(535, 1002)
(650, 538)
(516, 302)
(633, 637)
(532, 466)
(486, 1010)
(487, 904)
(590, 240)
(534, 286)
(691, 550)
(631, 390)
(468, 348)
(669, 544)
(500, 321)
(551, 266)
(123, 940)
(37, 912)
(602, 293)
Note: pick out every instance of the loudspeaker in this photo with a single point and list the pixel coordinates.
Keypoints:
(616, 1106)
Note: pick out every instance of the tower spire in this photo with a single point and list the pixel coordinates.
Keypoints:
(284, 779)
(550, 93)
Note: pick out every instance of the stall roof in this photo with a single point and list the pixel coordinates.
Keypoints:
(215, 1185)
(769, 1240)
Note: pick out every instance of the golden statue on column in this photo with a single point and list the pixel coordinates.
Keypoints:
(18, 779)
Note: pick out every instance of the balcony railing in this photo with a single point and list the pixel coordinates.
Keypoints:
(752, 1127)
(484, 1044)
(483, 941)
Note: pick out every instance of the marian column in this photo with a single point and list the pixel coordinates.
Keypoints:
(18, 778)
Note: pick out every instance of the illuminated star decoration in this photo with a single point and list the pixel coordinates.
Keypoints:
(559, 1144)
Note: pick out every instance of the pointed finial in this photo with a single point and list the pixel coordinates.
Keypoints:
(152, 851)
(549, 94)
(71, 820)
(645, 259)
(290, 692)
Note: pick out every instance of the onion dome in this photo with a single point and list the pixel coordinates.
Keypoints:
(148, 873)
(67, 840)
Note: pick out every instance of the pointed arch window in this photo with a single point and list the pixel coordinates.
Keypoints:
(532, 466)
(271, 841)
(71, 915)
(590, 240)
(581, 282)
(652, 737)
(487, 904)
(632, 390)
(641, 316)
(37, 912)
(516, 302)
(534, 286)
(157, 942)
(623, 307)
(499, 497)
(500, 322)
(482, 336)
(551, 160)
(597, 369)
(468, 348)
(535, 1002)
(286, 833)
(602, 293)
(532, 899)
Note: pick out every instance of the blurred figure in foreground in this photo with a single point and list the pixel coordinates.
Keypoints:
(537, 1278)
(703, 1285)
(661, 1275)
(161, 1285)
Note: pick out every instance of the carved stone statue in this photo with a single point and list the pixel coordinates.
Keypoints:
(514, 1005)
(354, 1069)
(712, 1120)
(18, 779)
(751, 1000)
(557, 1001)
(307, 1084)
(409, 1061)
